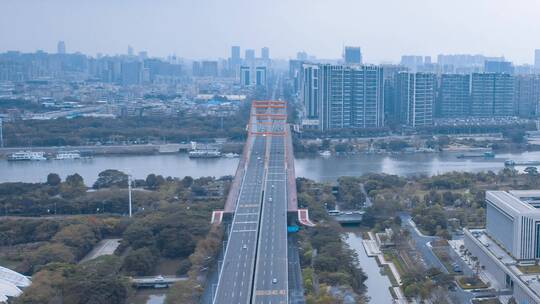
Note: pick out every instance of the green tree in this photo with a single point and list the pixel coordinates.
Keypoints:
(49, 253)
(53, 179)
(175, 243)
(111, 177)
(139, 235)
(75, 180)
(140, 261)
(79, 236)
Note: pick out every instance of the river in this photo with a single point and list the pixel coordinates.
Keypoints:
(377, 284)
(316, 168)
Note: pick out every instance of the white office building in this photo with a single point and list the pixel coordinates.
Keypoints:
(510, 244)
(513, 220)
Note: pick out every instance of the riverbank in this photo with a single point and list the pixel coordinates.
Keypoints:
(142, 149)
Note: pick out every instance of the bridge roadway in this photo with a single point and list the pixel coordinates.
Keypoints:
(254, 268)
(271, 274)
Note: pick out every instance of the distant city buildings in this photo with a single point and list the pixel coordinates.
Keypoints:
(301, 56)
(342, 96)
(61, 48)
(131, 73)
(412, 62)
(498, 67)
(352, 55)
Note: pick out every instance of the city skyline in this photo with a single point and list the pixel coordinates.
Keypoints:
(389, 30)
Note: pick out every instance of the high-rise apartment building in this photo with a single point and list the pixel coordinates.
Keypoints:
(352, 55)
(265, 53)
(492, 95)
(527, 95)
(130, 51)
(252, 76)
(61, 47)
(343, 96)
(234, 61)
(391, 107)
(235, 53)
(454, 95)
(245, 76)
(250, 55)
(498, 67)
(537, 60)
(415, 96)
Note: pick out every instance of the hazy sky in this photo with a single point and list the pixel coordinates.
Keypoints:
(385, 29)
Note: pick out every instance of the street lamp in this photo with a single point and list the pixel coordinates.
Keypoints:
(129, 193)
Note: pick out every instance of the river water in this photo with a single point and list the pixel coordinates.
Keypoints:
(316, 168)
(377, 284)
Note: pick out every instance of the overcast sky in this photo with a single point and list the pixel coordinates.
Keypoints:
(385, 29)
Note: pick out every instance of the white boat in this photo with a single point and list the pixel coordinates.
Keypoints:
(62, 155)
(231, 155)
(325, 153)
(204, 154)
(27, 155)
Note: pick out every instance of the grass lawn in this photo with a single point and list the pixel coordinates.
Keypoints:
(529, 269)
(392, 256)
(390, 276)
(471, 283)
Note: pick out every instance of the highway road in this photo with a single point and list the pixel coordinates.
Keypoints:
(272, 269)
(255, 267)
(236, 276)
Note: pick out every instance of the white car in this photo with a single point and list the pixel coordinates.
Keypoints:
(274, 281)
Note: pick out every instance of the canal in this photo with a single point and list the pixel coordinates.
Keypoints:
(377, 284)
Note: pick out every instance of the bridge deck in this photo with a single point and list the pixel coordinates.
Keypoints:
(254, 268)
